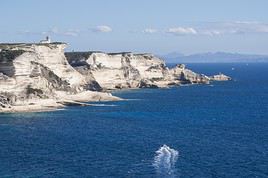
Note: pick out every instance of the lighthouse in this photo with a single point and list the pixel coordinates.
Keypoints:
(47, 40)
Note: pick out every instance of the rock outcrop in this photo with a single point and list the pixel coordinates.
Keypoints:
(220, 77)
(186, 76)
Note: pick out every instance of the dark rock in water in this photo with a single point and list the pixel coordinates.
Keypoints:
(146, 84)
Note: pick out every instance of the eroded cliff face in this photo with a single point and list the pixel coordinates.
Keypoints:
(186, 76)
(41, 77)
(128, 70)
(39, 67)
(32, 72)
(113, 71)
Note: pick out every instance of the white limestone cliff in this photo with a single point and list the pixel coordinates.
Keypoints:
(37, 77)
(36, 74)
(121, 70)
(128, 70)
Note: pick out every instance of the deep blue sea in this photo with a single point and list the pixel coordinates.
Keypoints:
(216, 130)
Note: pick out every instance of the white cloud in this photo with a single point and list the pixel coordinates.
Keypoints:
(236, 27)
(71, 32)
(53, 31)
(200, 29)
(28, 32)
(102, 29)
(150, 30)
(211, 32)
(222, 28)
(253, 28)
(182, 31)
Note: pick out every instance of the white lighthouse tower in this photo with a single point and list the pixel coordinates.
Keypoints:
(47, 40)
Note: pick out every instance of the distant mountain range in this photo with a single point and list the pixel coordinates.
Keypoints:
(218, 57)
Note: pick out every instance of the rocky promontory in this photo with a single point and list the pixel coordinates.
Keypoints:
(129, 70)
(40, 76)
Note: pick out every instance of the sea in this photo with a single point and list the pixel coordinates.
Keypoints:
(203, 131)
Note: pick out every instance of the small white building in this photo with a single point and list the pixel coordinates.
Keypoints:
(47, 40)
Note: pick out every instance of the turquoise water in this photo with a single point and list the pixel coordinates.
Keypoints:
(217, 130)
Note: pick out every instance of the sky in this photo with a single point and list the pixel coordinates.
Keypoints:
(155, 26)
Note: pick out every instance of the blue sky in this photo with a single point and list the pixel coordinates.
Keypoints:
(157, 26)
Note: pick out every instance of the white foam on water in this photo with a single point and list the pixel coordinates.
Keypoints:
(165, 160)
(100, 105)
(133, 99)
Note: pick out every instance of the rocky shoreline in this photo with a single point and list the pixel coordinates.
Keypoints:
(41, 77)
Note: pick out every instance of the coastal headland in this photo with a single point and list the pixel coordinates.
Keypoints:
(42, 77)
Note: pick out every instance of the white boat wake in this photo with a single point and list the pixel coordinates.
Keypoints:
(165, 160)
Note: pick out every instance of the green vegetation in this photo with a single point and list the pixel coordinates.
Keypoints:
(8, 55)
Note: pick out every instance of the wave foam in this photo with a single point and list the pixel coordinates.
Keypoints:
(165, 160)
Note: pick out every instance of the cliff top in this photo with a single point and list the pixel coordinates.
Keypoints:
(8, 45)
(88, 53)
